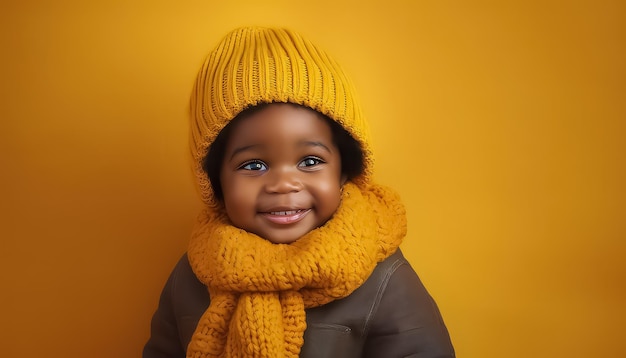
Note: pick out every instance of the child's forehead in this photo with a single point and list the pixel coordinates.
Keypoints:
(280, 122)
(276, 118)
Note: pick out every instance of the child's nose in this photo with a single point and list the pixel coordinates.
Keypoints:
(282, 181)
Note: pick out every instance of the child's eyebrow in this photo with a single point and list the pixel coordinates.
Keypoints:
(307, 143)
(304, 143)
(243, 149)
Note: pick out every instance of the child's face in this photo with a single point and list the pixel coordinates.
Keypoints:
(281, 174)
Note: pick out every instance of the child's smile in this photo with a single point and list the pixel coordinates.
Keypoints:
(281, 176)
(286, 217)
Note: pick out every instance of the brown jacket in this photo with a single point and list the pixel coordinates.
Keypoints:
(390, 315)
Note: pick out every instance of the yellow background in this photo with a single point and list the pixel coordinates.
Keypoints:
(501, 123)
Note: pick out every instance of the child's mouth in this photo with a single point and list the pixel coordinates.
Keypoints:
(286, 217)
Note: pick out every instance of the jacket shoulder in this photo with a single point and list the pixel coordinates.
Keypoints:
(183, 301)
(405, 320)
(390, 315)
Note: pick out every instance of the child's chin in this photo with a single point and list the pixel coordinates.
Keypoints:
(285, 237)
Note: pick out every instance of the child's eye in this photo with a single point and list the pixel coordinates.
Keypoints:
(310, 161)
(253, 165)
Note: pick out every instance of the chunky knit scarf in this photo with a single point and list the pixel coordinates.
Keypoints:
(259, 290)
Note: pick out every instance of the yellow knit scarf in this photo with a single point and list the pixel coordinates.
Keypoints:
(259, 290)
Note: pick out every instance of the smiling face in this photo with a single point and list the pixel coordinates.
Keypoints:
(281, 173)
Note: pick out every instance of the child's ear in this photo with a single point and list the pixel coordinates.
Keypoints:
(344, 179)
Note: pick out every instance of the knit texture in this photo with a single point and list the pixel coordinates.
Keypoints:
(259, 290)
(255, 65)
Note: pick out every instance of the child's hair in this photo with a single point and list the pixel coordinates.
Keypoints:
(350, 151)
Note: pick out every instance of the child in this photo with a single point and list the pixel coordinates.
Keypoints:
(296, 252)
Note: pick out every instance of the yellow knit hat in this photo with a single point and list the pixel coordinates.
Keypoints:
(254, 65)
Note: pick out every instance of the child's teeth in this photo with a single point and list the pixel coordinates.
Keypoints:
(290, 212)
